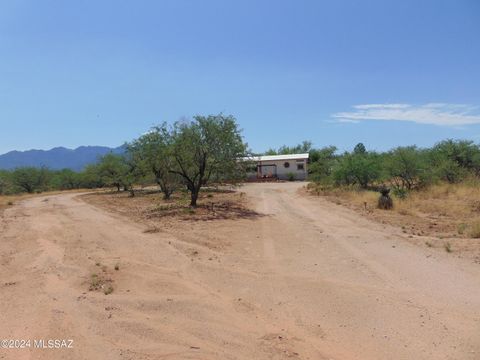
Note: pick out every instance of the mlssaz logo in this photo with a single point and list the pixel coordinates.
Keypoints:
(53, 344)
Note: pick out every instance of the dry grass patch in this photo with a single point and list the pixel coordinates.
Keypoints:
(444, 211)
(99, 282)
(101, 278)
(449, 210)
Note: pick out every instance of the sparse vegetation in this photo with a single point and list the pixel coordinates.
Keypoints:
(436, 190)
(100, 283)
(461, 228)
(441, 209)
(475, 230)
(150, 206)
(404, 169)
(95, 282)
(108, 290)
(448, 247)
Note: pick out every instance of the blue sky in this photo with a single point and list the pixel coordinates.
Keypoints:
(340, 72)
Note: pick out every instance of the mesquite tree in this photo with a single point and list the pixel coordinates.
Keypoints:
(154, 150)
(207, 148)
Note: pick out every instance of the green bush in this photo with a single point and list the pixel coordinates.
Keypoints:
(322, 162)
(400, 193)
(407, 168)
(453, 160)
(363, 169)
(31, 179)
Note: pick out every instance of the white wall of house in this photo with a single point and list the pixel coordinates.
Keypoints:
(281, 166)
(285, 167)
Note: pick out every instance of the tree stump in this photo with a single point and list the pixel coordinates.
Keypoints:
(385, 202)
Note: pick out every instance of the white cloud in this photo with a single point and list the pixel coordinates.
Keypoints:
(432, 113)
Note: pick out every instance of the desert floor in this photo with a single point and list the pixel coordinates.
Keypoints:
(301, 278)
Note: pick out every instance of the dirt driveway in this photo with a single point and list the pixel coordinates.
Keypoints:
(306, 279)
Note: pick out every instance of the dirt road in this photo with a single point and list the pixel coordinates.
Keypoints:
(306, 279)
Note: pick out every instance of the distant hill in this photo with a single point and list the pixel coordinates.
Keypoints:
(57, 158)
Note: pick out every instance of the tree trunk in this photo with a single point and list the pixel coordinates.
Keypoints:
(194, 197)
(165, 190)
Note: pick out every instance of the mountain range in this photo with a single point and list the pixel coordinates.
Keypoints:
(57, 158)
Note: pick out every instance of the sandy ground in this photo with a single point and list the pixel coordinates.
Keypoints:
(305, 280)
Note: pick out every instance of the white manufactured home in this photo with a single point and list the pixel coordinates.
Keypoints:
(283, 167)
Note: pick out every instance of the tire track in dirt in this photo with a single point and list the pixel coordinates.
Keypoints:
(309, 280)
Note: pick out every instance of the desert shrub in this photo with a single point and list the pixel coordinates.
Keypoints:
(291, 176)
(322, 162)
(448, 170)
(461, 228)
(111, 170)
(464, 153)
(30, 179)
(361, 169)
(400, 193)
(65, 179)
(120, 171)
(91, 178)
(453, 160)
(4, 182)
(304, 147)
(407, 168)
(475, 230)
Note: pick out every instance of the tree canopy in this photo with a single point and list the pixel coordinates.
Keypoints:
(207, 148)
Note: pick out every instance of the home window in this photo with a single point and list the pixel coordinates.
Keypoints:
(300, 167)
(287, 164)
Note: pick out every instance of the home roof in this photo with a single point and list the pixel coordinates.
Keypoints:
(278, 157)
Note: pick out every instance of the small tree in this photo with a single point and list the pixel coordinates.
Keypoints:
(322, 162)
(304, 147)
(4, 181)
(207, 148)
(154, 151)
(66, 179)
(357, 168)
(112, 169)
(30, 179)
(133, 171)
(464, 153)
(408, 168)
(91, 178)
(453, 160)
(359, 149)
